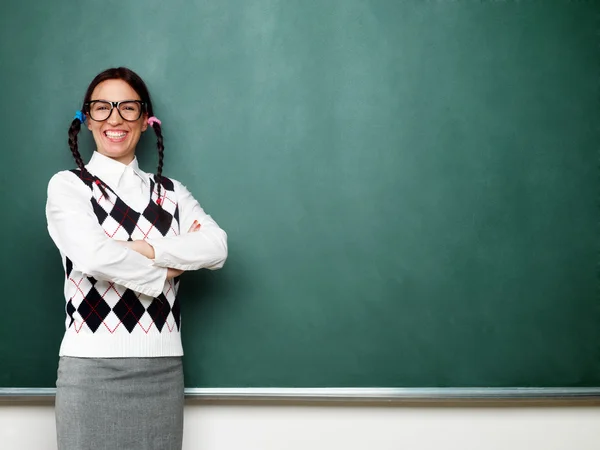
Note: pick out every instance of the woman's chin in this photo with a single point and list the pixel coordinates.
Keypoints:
(118, 153)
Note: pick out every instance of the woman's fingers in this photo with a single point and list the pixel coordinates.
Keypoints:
(195, 227)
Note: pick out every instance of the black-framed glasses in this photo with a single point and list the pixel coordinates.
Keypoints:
(129, 110)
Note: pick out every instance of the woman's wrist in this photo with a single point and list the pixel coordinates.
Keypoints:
(140, 246)
(148, 250)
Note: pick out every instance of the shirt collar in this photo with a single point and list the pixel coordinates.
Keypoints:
(111, 171)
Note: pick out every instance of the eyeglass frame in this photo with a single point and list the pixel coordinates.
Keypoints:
(112, 106)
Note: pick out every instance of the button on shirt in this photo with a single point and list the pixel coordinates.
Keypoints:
(76, 232)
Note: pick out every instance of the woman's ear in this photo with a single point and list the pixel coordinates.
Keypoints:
(144, 122)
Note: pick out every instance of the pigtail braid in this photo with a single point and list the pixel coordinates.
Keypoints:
(73, 132)
(161, 151)
(163, 216)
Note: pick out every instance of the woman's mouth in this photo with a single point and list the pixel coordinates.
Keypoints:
(115, 135)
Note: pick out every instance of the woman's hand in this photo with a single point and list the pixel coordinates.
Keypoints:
(195, 227)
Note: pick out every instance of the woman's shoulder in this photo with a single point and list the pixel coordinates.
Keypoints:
(67, 179)
(65, 176)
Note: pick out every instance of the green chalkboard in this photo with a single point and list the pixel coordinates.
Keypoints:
(410, 188)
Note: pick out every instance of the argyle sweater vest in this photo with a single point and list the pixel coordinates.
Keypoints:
(104, 319)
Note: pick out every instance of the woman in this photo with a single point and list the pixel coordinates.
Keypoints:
(124, 237)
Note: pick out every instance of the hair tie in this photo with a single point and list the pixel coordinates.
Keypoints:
(152, 120)
(80, 116)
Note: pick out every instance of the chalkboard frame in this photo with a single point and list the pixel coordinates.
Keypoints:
(350, 394)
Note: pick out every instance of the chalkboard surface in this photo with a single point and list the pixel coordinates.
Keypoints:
(410, 188)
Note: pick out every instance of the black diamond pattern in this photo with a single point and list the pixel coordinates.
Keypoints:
(93, 309)
(123, 214)
(159, 310)
(176, 310)
(152, 212)
(129, 309)
(70, 310)
(99, 211)
(68, 267)
(166, 183)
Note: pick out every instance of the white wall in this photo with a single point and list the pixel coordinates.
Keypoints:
(28, 426)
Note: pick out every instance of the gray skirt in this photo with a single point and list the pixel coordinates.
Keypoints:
(119, 403)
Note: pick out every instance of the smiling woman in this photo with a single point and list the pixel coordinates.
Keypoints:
(125, 237)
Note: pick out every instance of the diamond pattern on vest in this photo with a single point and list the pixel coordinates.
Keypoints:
(129, 309)
(97, 302)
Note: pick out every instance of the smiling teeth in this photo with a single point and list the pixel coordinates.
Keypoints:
(113, 134)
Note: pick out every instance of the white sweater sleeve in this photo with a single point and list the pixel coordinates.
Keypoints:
(75, 230)
(206, 248)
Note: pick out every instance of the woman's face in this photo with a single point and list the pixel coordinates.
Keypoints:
(115, 137)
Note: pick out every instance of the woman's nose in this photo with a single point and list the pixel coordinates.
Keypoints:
(114, 117)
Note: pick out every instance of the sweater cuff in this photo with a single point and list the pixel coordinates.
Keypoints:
(159, 254)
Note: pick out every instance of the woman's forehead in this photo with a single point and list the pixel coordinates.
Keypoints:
(114, 90)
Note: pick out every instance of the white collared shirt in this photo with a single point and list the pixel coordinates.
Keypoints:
(75, 230)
